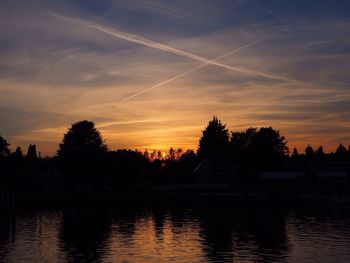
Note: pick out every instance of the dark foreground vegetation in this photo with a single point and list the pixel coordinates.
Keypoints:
(254, 164)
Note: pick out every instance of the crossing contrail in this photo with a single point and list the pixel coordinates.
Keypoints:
(153, 44)
(164, 82)
(193, 69)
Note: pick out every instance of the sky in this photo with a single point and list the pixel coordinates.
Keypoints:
(151, 74)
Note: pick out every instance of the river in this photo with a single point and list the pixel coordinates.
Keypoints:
(215, 234)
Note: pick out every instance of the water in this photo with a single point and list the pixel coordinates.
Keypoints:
(220, 234)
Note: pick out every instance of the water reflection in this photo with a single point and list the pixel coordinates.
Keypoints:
(249, 232)
(7, 228)
(84, 234)
(159, 216)
(215, 234)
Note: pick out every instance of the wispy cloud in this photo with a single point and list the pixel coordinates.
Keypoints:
(160, 46)
(54, 71)
(192, 70)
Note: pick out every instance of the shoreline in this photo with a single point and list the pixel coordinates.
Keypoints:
(182, 199)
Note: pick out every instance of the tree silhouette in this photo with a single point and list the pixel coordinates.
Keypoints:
(259, 149)
(31, 153)
(341, 152)
(295, 153)
(187, 163)
(269, 148)
(309, 151)
(125, 167)
(18, 153)
(4, 150)
(269, 143)
(82, 154)
(82, 140)
(320, 153)
(242, 141)
(214, 143)
(172, 154)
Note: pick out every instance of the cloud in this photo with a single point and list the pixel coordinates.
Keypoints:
(55, 72)
(163, 47)
(193, 69)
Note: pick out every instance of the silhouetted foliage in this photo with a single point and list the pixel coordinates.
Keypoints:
(125, 167)
(82, 153)
(4, 150)
(81, 140)
(187, 163)
(243, 141)
(320, 153)
(341, 152)
(83, 164)
(178, 167)
(18, 153)
(264, 148)
(269, 143)
(172, 154)
(309, 152)
(295, 153)
(31, 153)
(214, 143)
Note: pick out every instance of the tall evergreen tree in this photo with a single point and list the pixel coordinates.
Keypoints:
(309, 151)
(341, 152)
(320, 152)
(31, 153)
(295, 153)
(214, 143)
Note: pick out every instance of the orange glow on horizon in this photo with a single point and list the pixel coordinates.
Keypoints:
(147, 90)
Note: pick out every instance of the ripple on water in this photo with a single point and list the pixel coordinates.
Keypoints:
(175, 235)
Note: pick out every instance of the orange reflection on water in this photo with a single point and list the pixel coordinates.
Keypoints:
(157, 238)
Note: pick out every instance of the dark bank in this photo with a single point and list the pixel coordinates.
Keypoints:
(251, 166)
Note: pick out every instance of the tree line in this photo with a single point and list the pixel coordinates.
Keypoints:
(83, 159)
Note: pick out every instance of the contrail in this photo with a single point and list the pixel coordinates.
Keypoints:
(193, 69)
(153, 44)
(164, 82)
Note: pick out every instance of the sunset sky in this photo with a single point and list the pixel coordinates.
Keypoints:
(151, 74)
